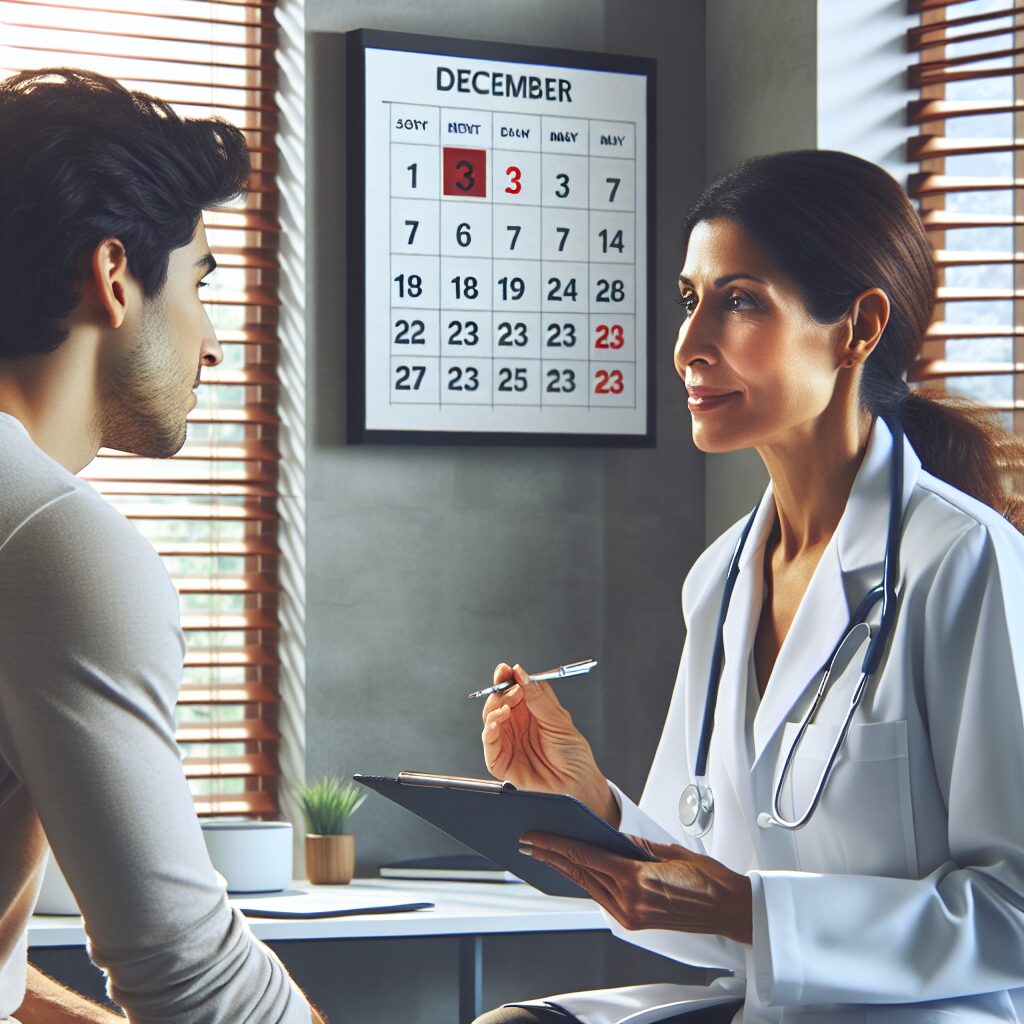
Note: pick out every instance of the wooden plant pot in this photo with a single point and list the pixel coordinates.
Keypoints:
(330, 860)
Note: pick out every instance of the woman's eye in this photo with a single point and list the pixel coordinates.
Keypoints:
(738, 301)
(689, 303)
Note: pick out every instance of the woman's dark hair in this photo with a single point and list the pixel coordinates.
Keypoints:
(838, 225)
(83, 159)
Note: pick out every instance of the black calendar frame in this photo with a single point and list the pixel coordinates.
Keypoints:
(358, 41)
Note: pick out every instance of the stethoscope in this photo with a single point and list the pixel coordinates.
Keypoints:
(697, 803)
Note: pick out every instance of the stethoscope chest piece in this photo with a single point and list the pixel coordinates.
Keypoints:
(696, 810)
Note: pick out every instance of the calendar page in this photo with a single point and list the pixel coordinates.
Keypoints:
(503, 264)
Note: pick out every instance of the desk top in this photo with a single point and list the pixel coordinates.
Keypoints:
(461, 908)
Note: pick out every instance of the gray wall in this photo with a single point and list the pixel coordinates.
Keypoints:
(426, 565)
(429, 564)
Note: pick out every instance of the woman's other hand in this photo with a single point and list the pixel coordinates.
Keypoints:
(530, 740)
(679, 891)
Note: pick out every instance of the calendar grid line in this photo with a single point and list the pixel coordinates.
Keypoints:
(550, 152)
(387, 366)
(516, 259)
(492, 253)
(440, 240)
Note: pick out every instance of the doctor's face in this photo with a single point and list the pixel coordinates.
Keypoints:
(755, 363)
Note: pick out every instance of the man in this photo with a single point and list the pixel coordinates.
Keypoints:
(102, 341)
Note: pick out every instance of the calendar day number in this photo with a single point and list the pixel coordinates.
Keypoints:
(608, 382)
(609, 336)
(464, 172)
(409, 378)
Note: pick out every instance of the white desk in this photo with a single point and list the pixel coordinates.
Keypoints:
(467, 910)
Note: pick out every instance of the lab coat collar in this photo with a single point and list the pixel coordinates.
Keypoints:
(824, 612)
(865, 523)
(863, 527)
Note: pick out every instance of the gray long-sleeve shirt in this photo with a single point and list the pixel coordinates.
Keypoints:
(91, 657)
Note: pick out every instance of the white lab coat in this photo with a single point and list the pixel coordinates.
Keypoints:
(903, 898)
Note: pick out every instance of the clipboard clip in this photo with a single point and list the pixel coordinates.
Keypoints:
(455, 782)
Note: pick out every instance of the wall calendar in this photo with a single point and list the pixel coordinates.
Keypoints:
(500, 243)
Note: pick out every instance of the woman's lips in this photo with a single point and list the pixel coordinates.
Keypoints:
(705, 399)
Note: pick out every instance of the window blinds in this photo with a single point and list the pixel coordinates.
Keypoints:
(970, 187)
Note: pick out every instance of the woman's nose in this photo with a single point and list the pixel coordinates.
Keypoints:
(693, 343)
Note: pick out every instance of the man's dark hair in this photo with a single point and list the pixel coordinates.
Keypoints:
(83, 159)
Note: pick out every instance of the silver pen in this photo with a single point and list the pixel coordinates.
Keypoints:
(576, 668)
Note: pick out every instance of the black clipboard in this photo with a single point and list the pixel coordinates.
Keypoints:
(489, 817)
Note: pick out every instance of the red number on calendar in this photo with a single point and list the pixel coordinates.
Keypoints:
(609, 336)
(514, 187)
(608, 382)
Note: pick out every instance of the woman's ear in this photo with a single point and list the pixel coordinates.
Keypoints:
(869, 314)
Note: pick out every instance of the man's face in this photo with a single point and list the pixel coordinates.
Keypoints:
(148, 385)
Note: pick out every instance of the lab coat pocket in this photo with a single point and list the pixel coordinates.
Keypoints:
(864, 824)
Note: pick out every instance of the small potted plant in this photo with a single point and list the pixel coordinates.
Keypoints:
(330, 853)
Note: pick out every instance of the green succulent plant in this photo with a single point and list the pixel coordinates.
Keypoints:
(328, 804)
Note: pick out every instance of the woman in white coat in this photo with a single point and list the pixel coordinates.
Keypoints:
(807, 288)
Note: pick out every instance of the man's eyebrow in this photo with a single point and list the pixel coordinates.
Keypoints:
(723, 281)
(207, 261)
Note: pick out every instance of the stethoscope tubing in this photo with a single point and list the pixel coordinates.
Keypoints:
(699, 794)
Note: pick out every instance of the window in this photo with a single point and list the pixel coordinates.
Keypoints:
(212, 511)
(971, 193)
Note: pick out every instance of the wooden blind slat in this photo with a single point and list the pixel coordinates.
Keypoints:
(253, 451)
(227, 732)
(250, 765)
(924, 147)
(918, 79)
(944, 331)
(920, 6)
(230, 657)
(255, 804)
(243, 512)
(930, 369)
(921, 111)
(954, 258)
(925, 67)
(250, 693)
(162, 38)
(155, 10)
(244, 622)
(944, 294)
(924, 184)
(941, 220)
(250, 583)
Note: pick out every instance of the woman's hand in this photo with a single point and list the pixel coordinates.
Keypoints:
(680, 891)
(530, 740)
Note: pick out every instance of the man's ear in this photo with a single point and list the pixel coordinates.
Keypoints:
(869, 314)
(109, 272)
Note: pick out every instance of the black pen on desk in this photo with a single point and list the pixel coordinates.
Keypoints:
(575, 668)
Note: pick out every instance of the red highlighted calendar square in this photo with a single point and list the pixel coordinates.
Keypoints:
(464, 172)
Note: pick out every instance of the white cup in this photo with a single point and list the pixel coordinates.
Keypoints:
(253, 856)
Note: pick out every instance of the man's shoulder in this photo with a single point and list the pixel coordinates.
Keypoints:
(49, 516)
(30, 481)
